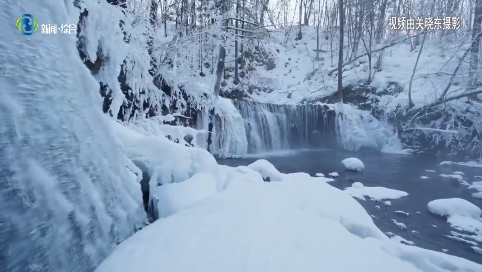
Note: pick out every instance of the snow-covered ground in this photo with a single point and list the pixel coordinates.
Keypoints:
(295, 223)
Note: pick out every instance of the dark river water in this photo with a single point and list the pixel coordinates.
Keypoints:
(394, 171)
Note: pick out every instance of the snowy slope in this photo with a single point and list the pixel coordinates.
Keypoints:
(67, 193)
(296, 222)
(299, 74)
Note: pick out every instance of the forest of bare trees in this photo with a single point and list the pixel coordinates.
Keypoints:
(226, 39)
(361, 26)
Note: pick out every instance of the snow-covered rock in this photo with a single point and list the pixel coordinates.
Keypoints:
(400, 225)
(333, 174)
(375, 193)
(454, 207)
(455, 177)
(175, 197)
(266, 169)
(166, 162)
(424, 177)
(461, 215)
(353, 164)
(319, 175)
(357, 185)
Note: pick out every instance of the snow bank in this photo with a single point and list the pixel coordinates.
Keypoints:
(454, 207)
(266, 169)
(353, 164)
(461, 215)
(472, 164)
(476, 185)
(299, 224)
(240, 174)
(375, 193)
(166, 161)
(177, 196)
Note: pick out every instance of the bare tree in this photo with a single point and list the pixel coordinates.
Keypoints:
(299, 36)
(474, 48)
(340, 50)
(219, 75)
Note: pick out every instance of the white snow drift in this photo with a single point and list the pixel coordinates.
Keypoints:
(295, 224)
(353, 164)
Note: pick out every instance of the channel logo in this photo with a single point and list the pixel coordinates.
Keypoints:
(26, 24)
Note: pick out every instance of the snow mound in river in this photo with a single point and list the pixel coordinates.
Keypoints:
(353, 164)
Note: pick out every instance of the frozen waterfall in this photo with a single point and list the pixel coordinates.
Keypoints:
(68, 195)
(276, 127)
(244, 127)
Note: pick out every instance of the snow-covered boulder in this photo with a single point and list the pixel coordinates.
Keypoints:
(333, 174)
(357, 185)
(353, 164)
(267, 170)
(461, 215)
(358, 190)
(174, 197)
(454, 207)
(239, 175)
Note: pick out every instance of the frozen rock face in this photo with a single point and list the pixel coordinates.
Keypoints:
(68, 196)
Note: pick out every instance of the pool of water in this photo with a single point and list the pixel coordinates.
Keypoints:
(395, 171)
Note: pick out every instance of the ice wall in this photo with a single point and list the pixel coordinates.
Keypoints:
(67, 194)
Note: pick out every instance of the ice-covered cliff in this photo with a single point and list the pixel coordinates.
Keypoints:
(68, 195)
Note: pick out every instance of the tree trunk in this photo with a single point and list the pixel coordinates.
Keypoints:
(219, 76)
(236, 61)
(150, 41)
(318, 31)
(381, 22)
(474, 49)
(410, 101)
(164, 15)
(299, 36)
(308, 11)
(340, 52)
